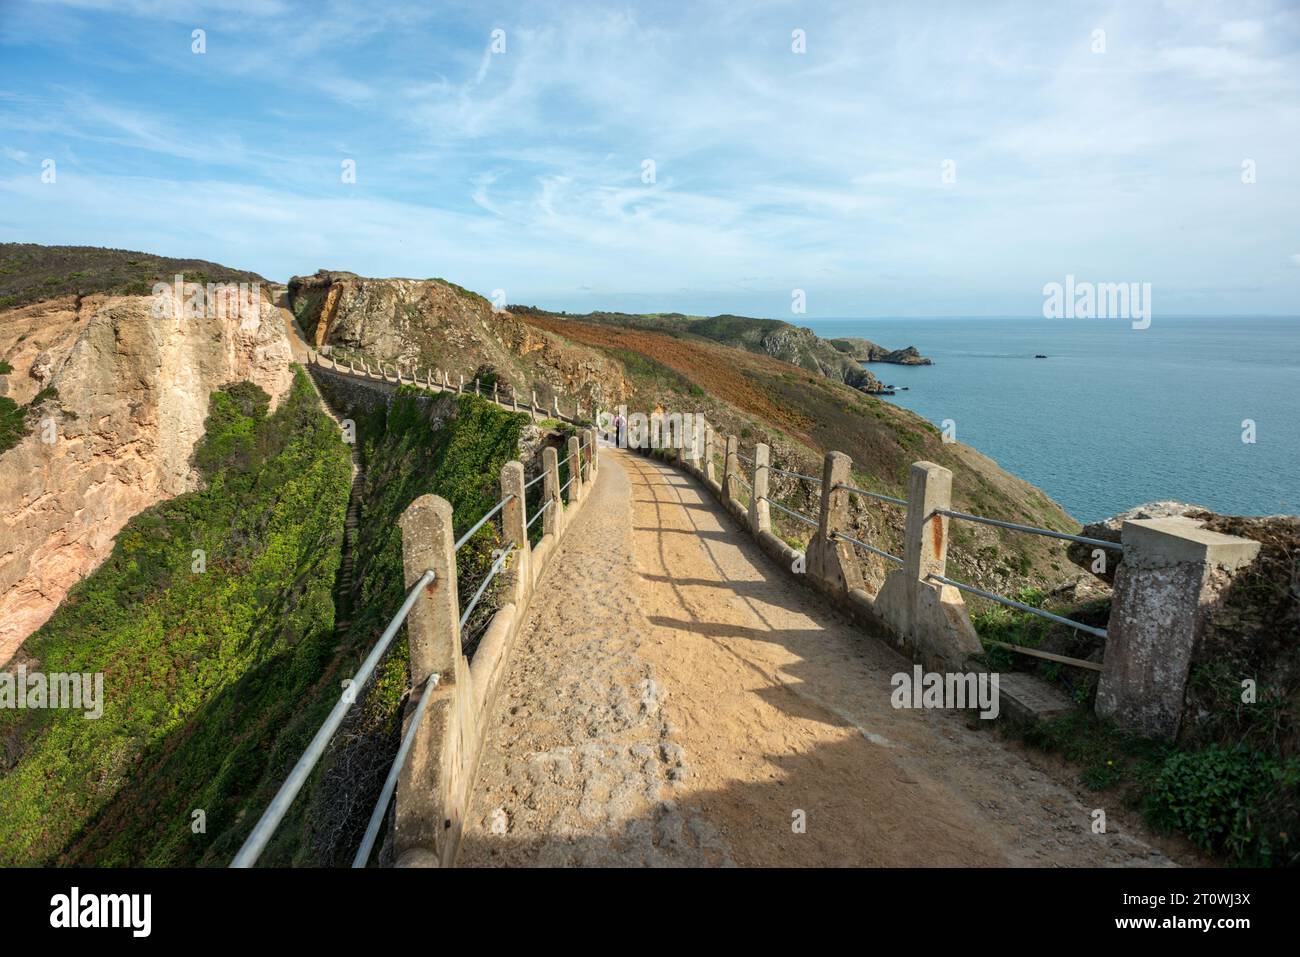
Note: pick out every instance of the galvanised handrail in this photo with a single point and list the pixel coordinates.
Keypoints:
(540, 475)
(876, 495)
(279, 806)
(1012, 603)
(871, 548)
(540, 512)
(496, 567)
(789, 511)
(810, 478)
(390, 782)
(1031, 529)
(479, 524)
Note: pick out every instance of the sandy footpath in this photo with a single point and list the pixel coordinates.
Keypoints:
(676, 699)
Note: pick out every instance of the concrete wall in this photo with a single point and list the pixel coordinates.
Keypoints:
(436, 785)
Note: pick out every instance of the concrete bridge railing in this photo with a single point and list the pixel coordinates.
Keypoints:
(432, 776)
(438, 380)
(1172, 574)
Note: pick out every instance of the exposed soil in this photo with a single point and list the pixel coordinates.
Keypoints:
(676, 700)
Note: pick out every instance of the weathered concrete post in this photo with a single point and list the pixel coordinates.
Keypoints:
(533, 407)
(555, 404)
(730, 466)
(460, 383)
(514, 528)
(710, 449)
(1172, 575)
(495, 398)
(589, 436)
(431, 789)
(930, 618)
(477, 389)
(832, 565)
(760, 516)
(551, 491)
(575, 471)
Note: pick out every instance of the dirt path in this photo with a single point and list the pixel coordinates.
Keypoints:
(675, 699)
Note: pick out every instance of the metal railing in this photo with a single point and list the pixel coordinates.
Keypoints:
(798, 475)
(1012, 603)
(799, 516)
(279, 806)
(1029, 529)
(876, 495)
(871, 548)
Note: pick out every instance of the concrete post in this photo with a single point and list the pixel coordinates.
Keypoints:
(460, 383)
(514, 528)
(730, 466)
(760, 517)
(710, 440)
(533, 407)
(589, 437)
(429, 789)
(551, 491)
(575, 471)
(495, 398)
(1173, 574)
(930, 618)
(477, 390)
(832, 564)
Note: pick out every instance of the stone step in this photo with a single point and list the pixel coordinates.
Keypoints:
(1029, 698)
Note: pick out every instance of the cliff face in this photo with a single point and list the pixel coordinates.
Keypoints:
(430, 323)
(130, 398)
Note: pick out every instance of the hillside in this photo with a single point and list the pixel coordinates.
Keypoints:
(31, 272)
(212, 672)
(101, 406)
(438, 325)
(835, 358)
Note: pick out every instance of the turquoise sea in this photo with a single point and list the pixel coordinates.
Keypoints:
(1115, 416)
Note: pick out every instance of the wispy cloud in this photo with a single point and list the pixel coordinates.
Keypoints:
(823, 170)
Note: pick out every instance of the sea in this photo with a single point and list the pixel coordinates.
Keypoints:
(1203, 410)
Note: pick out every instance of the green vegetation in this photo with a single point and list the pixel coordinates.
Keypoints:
(422, 443)
(212, 623)
(13, 424)
(1226, 784)
(31, 272)
(13, 417)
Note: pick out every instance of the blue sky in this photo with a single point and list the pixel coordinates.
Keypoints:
(774, 170)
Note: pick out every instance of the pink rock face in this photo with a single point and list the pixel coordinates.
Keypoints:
(132, 398)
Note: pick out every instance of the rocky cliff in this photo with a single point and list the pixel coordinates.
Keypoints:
(864, 350)
(434, 324)
(126, 395)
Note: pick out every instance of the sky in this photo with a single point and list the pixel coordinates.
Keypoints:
(909, 159)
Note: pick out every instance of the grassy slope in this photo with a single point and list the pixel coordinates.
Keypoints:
(30, 272)
(207, 675)
(449, 446)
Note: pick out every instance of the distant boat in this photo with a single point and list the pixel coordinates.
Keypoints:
(1040, 356)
